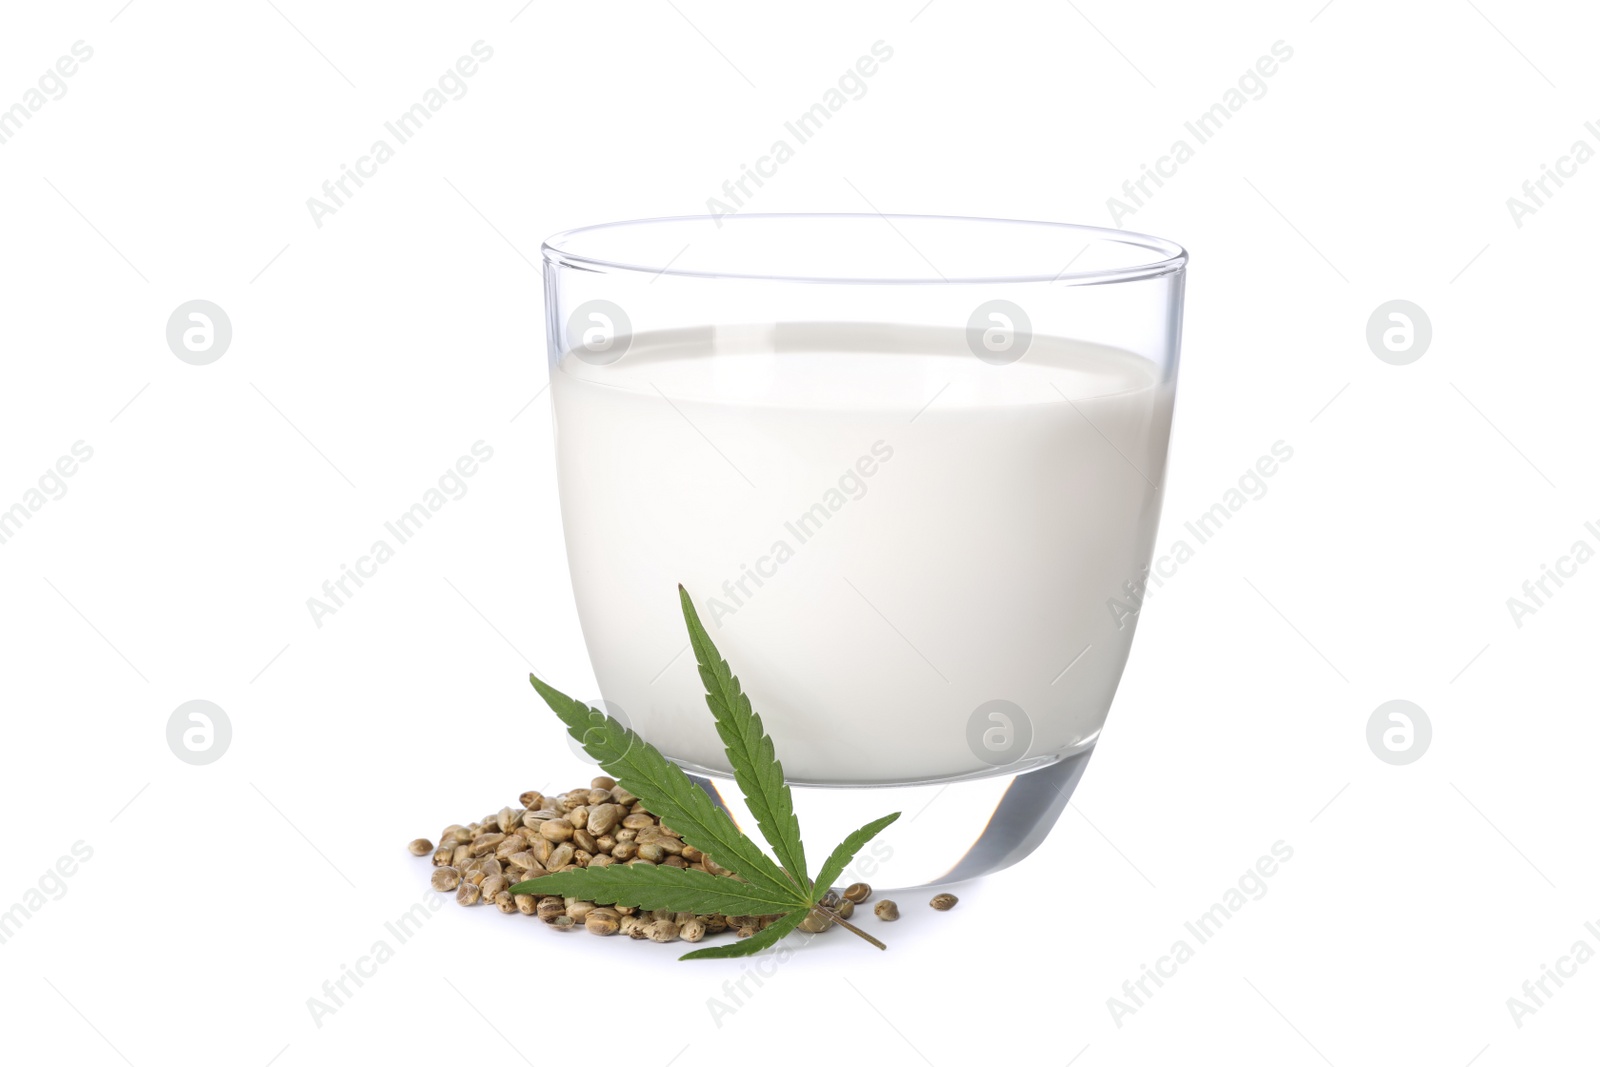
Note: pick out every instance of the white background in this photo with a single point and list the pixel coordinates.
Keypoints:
(369, 353)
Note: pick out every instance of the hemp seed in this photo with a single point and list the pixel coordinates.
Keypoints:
(813, 923)
(484, 844)
(603, 818)
(489, 861)
(602, 922)
(942, 902)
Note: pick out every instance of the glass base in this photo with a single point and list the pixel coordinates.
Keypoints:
(947, 832)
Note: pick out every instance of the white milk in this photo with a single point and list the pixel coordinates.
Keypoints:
(880, 531)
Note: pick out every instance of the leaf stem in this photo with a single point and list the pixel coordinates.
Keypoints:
(836, 917)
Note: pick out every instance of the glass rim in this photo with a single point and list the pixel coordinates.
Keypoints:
(1168, 257)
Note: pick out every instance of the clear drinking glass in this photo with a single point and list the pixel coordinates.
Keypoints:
(909, 469)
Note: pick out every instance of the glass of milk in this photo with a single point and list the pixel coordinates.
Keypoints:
(909, 469)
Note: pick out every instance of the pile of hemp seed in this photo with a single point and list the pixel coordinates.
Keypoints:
(597, 827)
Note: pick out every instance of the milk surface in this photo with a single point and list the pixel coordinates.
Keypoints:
(882, 533)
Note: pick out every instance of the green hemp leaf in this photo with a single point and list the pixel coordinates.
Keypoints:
(762, 886)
